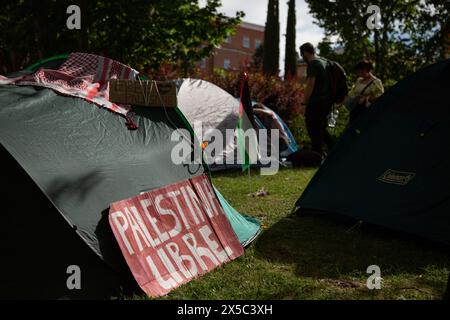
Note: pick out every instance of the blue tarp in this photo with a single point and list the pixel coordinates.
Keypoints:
(246, 228)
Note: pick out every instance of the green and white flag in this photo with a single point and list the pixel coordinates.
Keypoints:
(247, 139)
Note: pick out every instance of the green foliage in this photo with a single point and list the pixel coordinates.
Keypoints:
(145, 34)
(411, 36)
(290, 60)
(272, 39)
(257, 61)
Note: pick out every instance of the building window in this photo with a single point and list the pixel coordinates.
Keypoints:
(202, 63)
(257, 43)
(246, 42)
(228, 40)
(226, 64)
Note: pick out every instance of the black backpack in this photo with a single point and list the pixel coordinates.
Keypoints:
(337, 82)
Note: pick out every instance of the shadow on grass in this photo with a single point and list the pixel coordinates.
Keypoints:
(328, 247)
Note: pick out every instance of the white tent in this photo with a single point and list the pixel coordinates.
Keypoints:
(208, 107)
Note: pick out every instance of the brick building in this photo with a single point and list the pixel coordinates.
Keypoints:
(237, 51)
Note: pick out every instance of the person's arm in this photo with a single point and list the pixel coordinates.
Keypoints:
(310, 82)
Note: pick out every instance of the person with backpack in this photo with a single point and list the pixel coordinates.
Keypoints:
(365, 91)
(317, 99)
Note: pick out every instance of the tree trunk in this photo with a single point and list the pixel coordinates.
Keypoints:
(377, 52)
(268, 38)
(383, 52)
(85, 19)
(271, 39)
(290, 60)
(34, 9)
(387, 16)
(276, 58)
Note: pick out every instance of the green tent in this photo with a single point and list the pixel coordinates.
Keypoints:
(392, 166)
(66, 160)
(246, 228)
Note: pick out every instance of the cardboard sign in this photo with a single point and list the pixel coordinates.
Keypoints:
(148, 93)
(174, 234)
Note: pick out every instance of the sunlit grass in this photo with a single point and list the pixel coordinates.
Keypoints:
(313, 257)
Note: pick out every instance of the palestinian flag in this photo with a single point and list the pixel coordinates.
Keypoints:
(247, 140)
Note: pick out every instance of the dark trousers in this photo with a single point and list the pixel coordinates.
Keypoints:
(316, 118)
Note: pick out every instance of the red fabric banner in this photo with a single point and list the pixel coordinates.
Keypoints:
(174, 234)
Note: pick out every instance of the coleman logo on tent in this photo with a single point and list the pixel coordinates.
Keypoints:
(397, 177)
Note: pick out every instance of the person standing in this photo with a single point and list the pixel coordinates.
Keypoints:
(317, 99)
(365, 91)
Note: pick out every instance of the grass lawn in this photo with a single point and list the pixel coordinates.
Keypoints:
(314, 257)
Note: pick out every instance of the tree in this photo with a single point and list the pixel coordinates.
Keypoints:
(272, 39)
(411, 34)
(257, 60)
(290, 62)
(144, 34)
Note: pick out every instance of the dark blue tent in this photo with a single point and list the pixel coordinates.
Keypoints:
(392, 166)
